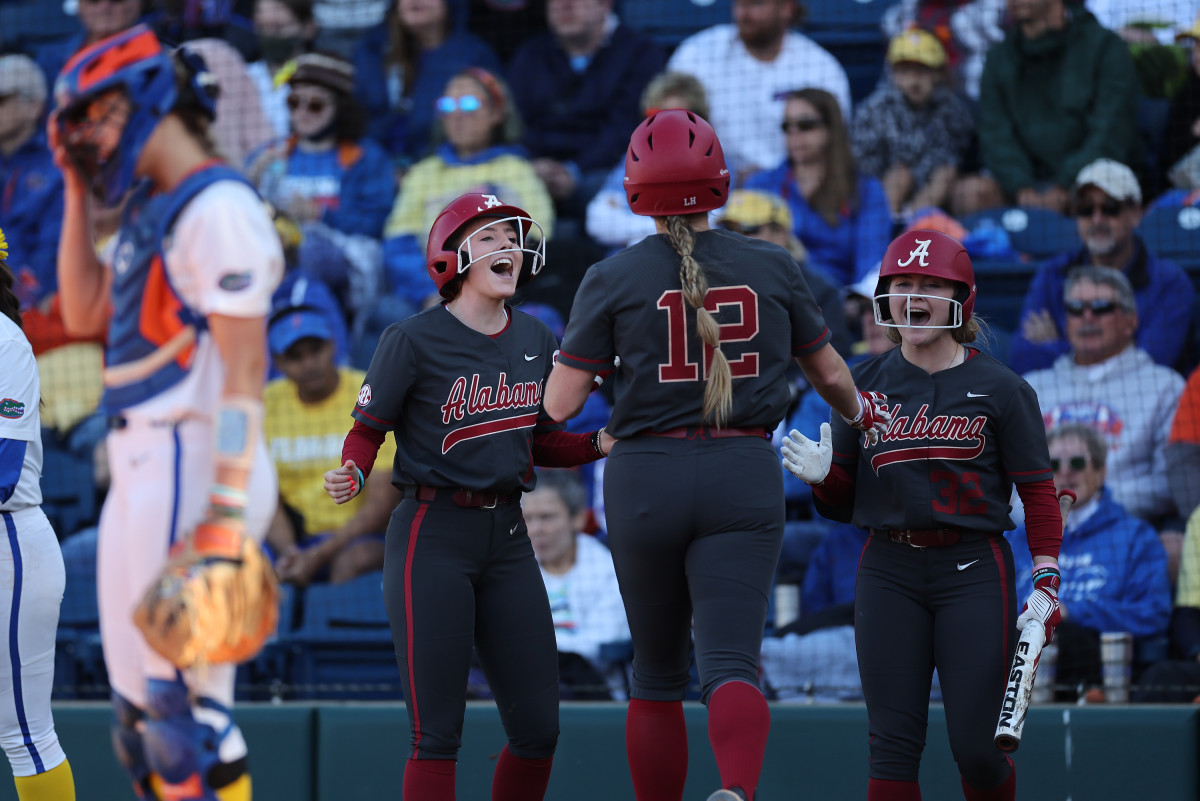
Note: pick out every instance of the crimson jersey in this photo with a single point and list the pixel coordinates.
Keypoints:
(959, 438)
(463, 405)
(631, 306)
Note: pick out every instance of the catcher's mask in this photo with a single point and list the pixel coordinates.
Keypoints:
(445, 262)
(929, 253)
(127, 80)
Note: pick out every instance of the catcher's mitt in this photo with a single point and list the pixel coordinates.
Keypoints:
(216, 601)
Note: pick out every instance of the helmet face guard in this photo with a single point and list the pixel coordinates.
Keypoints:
(524, 226)
(133, 66)
(444, 262)
(880, 301)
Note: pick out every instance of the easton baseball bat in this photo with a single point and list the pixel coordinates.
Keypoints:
(1024, 667)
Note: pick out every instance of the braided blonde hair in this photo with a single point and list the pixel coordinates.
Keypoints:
(718, 390)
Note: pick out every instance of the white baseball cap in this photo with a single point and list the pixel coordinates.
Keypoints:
(20, 75)
(1113, 178)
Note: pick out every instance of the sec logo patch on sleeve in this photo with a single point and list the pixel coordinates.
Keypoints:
(364, 395)
(11, 409)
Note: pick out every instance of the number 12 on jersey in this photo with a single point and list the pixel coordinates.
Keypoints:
(680, 367)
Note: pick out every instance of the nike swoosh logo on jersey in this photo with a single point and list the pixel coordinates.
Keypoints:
(513, 530)
(973, 395)
(529, 358)
(962, 566)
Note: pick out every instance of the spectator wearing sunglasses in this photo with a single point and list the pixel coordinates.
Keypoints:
(1109, 383)
(913, 132)
(478, 131)
(840, 214)
(1107, 203)
(404, 65)
(337, 185)
(1114, 569)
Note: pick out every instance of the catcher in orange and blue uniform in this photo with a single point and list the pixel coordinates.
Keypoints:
(704, 323)
(935, 581)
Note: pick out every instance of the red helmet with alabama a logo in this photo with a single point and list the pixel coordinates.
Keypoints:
(675, 165)
(445, 262)
(929, 253)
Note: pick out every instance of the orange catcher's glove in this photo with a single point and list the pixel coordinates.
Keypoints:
(217, 599)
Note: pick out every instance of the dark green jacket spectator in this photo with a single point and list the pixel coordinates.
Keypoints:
(1050, 106)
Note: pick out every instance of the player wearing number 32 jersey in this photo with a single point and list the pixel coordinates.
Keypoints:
(704, 323)
(935, 585)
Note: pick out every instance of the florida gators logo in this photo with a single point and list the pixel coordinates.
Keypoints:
(11, 409)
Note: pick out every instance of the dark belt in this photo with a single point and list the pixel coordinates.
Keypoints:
(468, 499)
(704, 432)
(922, 537)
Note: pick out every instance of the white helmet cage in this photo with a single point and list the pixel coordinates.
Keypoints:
(536, 242)
(956, 307)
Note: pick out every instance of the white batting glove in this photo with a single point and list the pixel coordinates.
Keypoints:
(807, 460)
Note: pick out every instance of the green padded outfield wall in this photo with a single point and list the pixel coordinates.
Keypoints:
(355, 752)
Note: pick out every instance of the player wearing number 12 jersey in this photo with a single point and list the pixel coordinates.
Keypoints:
(705, 323)
(935, 583)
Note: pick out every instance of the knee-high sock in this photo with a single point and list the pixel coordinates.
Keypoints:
(56, 784)
(656, 744)
(429, 780)
(738, 722)
(1006, 791)
(888, 790)
(518, 779)
(237, 790)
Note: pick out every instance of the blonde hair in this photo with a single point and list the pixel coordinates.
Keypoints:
(718, 390)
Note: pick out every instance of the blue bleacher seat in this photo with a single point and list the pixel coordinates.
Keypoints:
(1035, 233)
(68, 487)
(850, 30)
(265, 676)
(669, 22)
(1001, 287)
(25, 24)
(79, 663)
(1173, 232)
(342, 647)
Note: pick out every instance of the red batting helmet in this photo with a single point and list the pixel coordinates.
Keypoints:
(445, 262)
(675, 165)
(929, 253)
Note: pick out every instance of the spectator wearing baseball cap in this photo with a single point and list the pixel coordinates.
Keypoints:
(913, 132)
(337, 185)
(1107, 204)
(305, 411)
(763, 215)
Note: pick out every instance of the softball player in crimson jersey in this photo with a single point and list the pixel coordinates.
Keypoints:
(460, 385)
(935, 581)
(183, 292)
(31, 571)
(705, 323)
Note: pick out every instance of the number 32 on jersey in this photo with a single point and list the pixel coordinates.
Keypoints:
(681, 367)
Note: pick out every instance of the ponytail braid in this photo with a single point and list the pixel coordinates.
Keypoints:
(718, 390)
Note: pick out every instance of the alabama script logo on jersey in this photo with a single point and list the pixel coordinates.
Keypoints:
(469, 397)
(920, 437)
